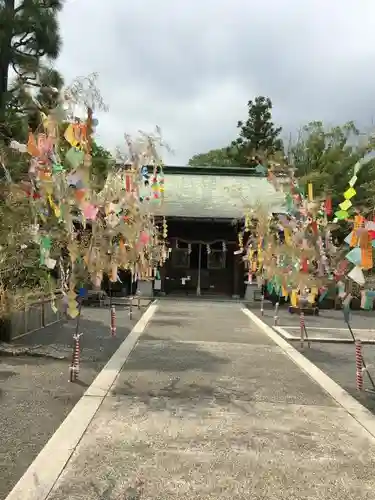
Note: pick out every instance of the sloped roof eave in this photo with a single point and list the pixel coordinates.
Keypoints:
(217, 197)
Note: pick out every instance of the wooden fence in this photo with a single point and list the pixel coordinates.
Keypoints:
(34, 316)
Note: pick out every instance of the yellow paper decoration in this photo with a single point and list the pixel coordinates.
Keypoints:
(311, 298)
(310, 191)
(345, 205)
(349, 193)
(69, 135)
(54, 207)
(287, 236)
(260, 256)
(73, 312)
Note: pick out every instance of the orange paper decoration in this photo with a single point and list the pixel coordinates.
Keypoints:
(358, 223)
(80, 194)
(32, 147)
(366, 250)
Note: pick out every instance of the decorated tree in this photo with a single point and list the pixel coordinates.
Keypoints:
(326, 157)
(82, 230)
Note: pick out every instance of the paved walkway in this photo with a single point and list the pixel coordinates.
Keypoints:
(208, 407)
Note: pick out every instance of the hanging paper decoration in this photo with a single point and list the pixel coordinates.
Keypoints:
(358, 224)
(81, 229)
(328, 206)
(366, 250)
(310, 191)
(354, 256)
(240, 242)
(349, 193)
(356, 274)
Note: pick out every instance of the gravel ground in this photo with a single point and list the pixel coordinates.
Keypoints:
(35, 392)
(337, 360)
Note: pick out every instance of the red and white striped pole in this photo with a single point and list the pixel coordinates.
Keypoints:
(276, 317)
(113, 321)
(74, 367)
(302, 327)
(359, 365)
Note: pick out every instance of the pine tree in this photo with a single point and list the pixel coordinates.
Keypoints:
(28, 32)
(258, 135)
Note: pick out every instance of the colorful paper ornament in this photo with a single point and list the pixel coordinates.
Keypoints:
(345, 205)
(356, 274)
(366, 250)
(328, 206)
(349, 193)
(341, 214)
(354, 256)
(310, 191)
(75, 157)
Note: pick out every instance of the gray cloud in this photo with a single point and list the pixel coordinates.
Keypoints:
(191, 66)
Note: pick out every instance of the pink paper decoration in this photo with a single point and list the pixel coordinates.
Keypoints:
(90, 212)
(144, 238)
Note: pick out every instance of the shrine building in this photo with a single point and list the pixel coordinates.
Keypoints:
(203, 207)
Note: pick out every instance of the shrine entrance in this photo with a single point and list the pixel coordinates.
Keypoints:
(199, 268)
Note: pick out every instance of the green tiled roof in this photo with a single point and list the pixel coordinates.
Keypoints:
(216, 196)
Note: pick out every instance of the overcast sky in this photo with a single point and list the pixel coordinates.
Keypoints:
(190, 66)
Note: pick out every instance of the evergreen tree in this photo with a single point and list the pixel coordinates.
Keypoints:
(28, 32)
(258, 135)
(213, 158)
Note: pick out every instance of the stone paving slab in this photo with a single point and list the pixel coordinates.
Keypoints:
(216, 370)
(185, 328)
(183, 449)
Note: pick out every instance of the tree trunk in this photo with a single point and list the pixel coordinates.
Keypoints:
(5, 56)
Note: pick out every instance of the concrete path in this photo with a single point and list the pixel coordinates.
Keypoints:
(208, 407)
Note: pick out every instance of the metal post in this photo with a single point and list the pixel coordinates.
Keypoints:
(199, 269)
